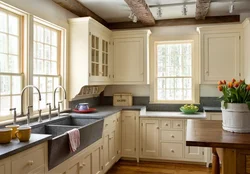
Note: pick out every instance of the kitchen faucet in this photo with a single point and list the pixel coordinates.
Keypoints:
(28, 114)
(54, 100)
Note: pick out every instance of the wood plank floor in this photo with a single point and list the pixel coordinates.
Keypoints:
(131, 167)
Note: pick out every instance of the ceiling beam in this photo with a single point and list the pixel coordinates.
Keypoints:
(177, 22)
(141, 11)
(80, 10)
(202, 7)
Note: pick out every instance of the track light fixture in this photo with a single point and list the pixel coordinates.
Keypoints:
(231, 7)
(159, 12)
(184, 10)
(133, 17)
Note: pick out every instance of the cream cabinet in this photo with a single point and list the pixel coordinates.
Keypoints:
(118, 141)
(131, 57)
(149, 139)
(5, 166)
(130, 134)
(221, 53)
(90, 61)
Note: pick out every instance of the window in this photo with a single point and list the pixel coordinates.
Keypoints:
(174, 72)
(46, 61)
(10, 61)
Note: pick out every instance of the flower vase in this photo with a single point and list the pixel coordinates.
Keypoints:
(236, 117)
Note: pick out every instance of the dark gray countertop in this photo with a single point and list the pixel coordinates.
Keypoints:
(15, 146)
(104, 111)
(211, 109)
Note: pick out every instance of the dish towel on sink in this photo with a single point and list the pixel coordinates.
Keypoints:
(74, 139)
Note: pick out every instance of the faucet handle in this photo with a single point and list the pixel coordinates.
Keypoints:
(48, 104)
(40, 116)
(13, 109)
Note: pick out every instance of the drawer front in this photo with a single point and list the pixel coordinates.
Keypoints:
(29, 162)
(165, 124)
(171, 150)
(109, 122)
(177, 124)
(216, 116)
(171, 136)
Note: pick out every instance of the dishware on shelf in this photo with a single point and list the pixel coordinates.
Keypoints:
(23, 133)
(82, 106)
(14, 129)
(5, 135)
(189, 109)
(90, 110)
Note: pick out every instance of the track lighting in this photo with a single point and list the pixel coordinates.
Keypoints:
(134, 19)
(131, 15)
(159, 12)
(231, 7)
(184, 10)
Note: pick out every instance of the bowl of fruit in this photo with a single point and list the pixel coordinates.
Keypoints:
(189, 109)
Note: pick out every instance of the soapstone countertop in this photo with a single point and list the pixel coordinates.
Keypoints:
(105, 111)
(15, 146)
(156, 114)
(211, 109)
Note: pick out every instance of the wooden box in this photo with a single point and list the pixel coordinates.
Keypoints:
(123, 99)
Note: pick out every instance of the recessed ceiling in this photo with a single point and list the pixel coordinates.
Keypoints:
(118, 10)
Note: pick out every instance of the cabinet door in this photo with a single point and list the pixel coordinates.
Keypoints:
(192, 152)
(128, 60)
(150, 137)
(97, 165)
(95, 66)
(106, 161)
(118, 135)
(128, 134)
(5, 166)
(222, 56)
(81, 167)
(112, 150)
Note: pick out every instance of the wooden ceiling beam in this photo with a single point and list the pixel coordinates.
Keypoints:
(141, 11)
(177, 22)
(80, 10)
(202, 7)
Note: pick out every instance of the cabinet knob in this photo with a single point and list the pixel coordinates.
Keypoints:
(166, 124)
(113, 121)
(82, 165)
(172, 136)
(157, 128)
(206, 72)
(178, 125)
(172, 150)
(30, 163)
(110, 138)
(106, 125)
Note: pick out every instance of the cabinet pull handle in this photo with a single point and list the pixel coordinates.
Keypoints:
(30, 163)
(172, 136)
(172, 150)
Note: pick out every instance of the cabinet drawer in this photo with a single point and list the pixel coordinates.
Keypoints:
(29, 161)
(177, 124)
(109, 122)
(172, 150)
(165, 124)
(171, 135)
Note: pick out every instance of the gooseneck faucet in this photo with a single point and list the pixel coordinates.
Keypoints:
(26, 87)
(54, 100)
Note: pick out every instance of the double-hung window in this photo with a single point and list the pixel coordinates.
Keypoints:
(46, 62)
(174, 79)
(10, 61)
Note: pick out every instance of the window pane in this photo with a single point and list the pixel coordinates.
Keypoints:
(5, 105)
(47, 52)
(3, 22)
(3, 63)
(5, 85)
(47, 67)
(161, 94)
(13, 45)
(49, 84)
(53, 68)
(56, 82)
(13, 25)
(43, 101)
(16, 84)
(3, 43)
(16, 103)
(13, 64)
(47, 36)
(35, 101)
(53, 53)
(54, 38)
(50, 98)
(40, 33)
(43, 84)
(36, 83)
(39, 50)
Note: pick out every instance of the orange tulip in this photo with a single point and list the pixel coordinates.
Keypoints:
(241, 81)
(220, 82)
(233, 80)
(236, 84)
(224, 82)
(230, 85)
(248, 87)
(220, 88)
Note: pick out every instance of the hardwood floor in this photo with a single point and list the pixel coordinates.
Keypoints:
(131, 167)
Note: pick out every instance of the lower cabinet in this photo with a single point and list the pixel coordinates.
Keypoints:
(5, 166)
(164, 138)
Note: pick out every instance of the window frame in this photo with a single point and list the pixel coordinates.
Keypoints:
(195, 69)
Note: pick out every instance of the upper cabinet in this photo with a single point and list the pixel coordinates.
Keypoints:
(131, 56)
(90, 57)
(220, 52)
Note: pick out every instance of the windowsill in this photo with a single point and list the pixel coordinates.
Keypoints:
(45, 114)
(174, 102)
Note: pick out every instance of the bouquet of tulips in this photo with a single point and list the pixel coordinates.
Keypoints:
(234, 92)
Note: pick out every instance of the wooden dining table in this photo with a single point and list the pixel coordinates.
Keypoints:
(230, 150)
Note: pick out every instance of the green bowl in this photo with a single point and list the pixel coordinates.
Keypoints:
(188, 111)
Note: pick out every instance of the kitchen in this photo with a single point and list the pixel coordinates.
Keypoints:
(100, 58)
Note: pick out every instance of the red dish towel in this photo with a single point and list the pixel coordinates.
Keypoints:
(74, 139)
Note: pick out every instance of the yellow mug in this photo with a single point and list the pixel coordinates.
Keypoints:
(5, 135)
(23, 133)
(14, 129)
